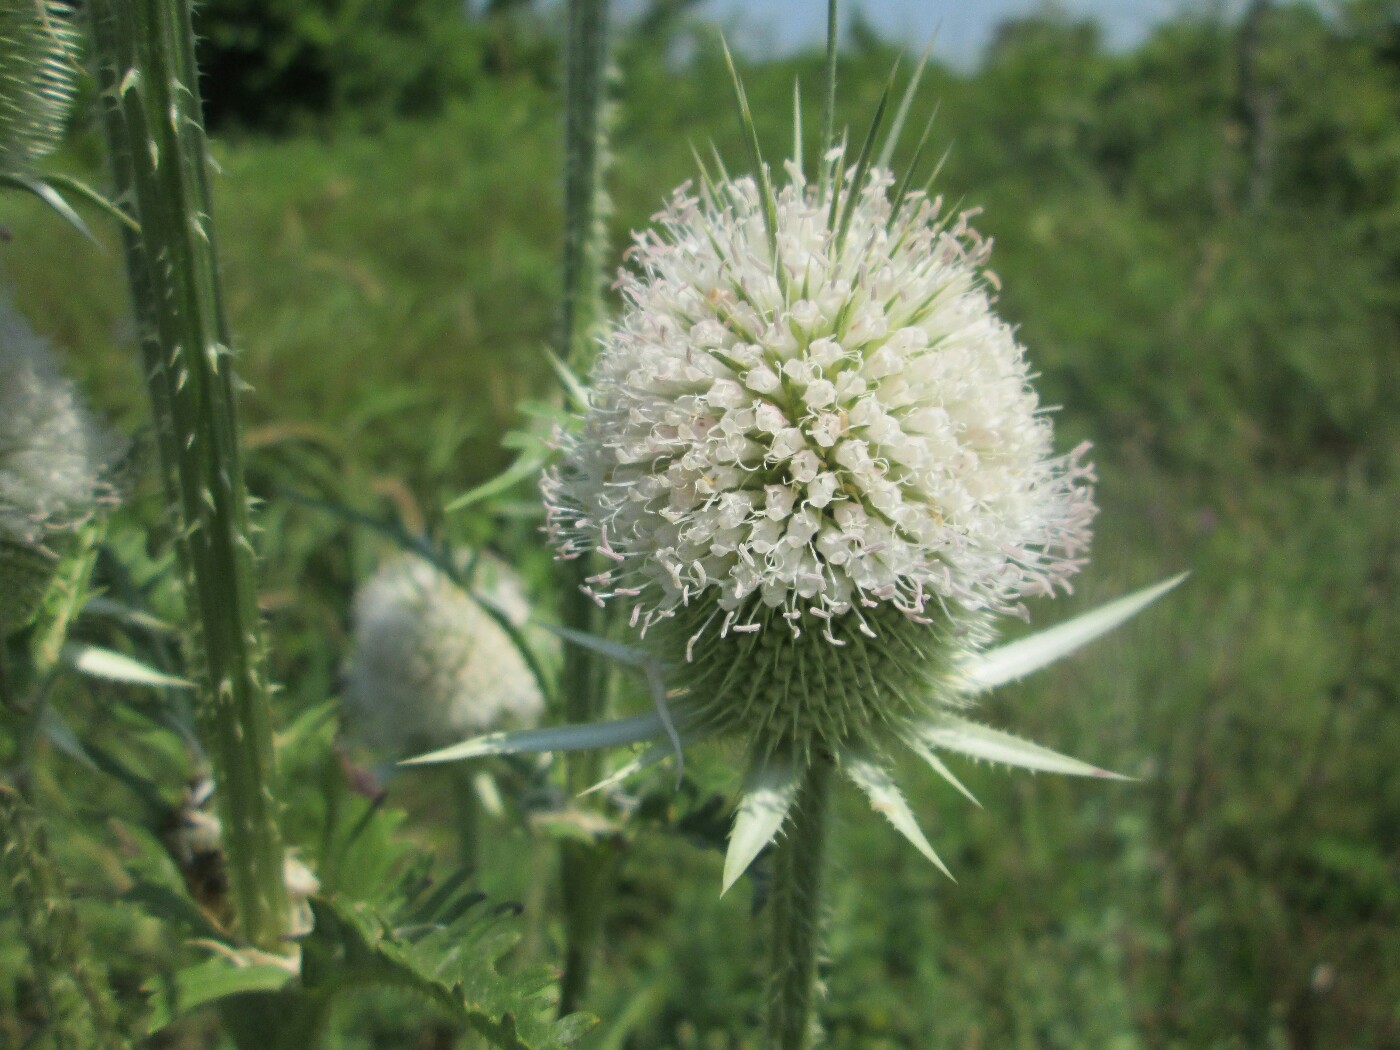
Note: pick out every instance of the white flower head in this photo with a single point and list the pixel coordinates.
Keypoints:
(813, 469)
(430, 663)
(54, 457)
(825, 422)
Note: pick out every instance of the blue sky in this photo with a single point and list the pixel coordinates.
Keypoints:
(963, 26)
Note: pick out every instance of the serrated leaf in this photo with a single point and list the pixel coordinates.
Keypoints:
(1007, 663)
(97, 662)
(453, 967)
(886, 799)
(184, 990)
(768, 793)
(579, 737)
(978, 741)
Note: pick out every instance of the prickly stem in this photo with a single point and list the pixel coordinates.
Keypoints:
(151, 112)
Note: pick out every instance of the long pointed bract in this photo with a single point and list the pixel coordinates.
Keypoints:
(769, 791)
(1018, 659)
(887, 800)
(978, 741)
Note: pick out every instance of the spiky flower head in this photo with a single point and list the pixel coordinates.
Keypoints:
(55, 460)
(39, 68)
(809, 419)
(430, 663)
(813, 470)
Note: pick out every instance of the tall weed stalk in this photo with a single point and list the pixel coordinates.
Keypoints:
(144, 53)
(584, 867)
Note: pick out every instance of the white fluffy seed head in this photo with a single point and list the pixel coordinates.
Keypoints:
(430, 665)
(54, 458)
(837, 423)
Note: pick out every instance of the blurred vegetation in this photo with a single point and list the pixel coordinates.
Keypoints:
(1199, 240)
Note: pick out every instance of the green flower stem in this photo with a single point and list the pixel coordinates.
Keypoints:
(796, 904)
(144, 53)
(585, 155)
(467, 812)
(584, 868)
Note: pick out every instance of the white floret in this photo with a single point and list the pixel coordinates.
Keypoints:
(853, 425)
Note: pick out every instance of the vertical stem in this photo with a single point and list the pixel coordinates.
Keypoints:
(70, 983)
(61, 604)
(796, 905)
(584, 156)
(151, 112)
(583, 867)
(829, 84)
(467, 811)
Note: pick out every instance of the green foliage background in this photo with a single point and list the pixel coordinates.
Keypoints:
(1200, 243)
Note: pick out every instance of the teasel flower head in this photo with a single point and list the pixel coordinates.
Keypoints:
(813, 469)
(432, 663)
(39, 67)
(55, 459)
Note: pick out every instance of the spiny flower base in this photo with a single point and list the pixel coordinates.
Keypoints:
(858, 679)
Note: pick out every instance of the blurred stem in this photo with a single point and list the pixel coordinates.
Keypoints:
(62, 602)
(467, 807)
(69, 983)
(585, 152)
(796, 904)
(144, 53)
(829, 84)
(584, 868)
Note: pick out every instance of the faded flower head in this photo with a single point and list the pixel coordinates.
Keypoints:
(823, 424)
(54, 457)
(430, 664)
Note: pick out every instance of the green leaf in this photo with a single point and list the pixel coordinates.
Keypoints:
(175, 994)
(527, 465)
(51, 197)
(24, 577)
(97, 662)
(768, 794)
(1009, 662)
(550, 738)
(452, 966)
(448, 958)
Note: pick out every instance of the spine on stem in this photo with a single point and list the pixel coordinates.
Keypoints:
(151, 111)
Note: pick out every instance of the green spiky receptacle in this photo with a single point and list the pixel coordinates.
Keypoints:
(796, 694)
(39, 70)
